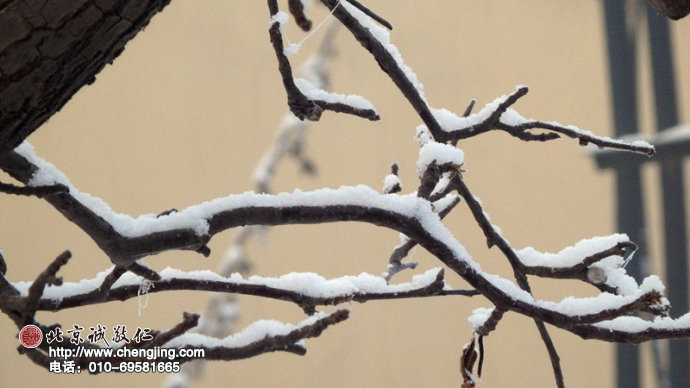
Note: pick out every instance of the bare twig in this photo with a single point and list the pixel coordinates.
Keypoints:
(297, 10)
(495, 238)
(387, 62)
(111, 278)
(370, 13)
(48, 276)
(143, 271)
(583, 138)
(553, 354)
(38, 191)
(469, 108)
(189, 321)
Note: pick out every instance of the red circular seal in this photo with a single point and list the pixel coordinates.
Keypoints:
(30, 336)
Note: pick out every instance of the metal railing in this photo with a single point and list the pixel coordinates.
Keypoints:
(623, 43)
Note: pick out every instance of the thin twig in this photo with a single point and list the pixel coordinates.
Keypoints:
(111, 278)
(495, 238)
(145, 272)
(48, 276)
(583, 138)
(189, 321)
(38, 191)
(370, 13)
(553, 353)
(297, 10)
(388, 64)
(469, 108)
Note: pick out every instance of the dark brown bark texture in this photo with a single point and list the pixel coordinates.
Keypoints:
(49, 49)
(674, 9)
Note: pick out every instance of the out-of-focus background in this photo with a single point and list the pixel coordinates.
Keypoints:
(185, 113)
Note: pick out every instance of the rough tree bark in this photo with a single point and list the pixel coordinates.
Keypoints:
(50, 49)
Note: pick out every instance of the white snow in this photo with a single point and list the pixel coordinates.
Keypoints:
(571, 255)
(610, 269)
(605, 301)
(444, 202)
(195, 217)
(67, 289)
(127, 226)
(281, 18)
(390, 181)
(616, 275)
(450, 121)
(442, 183)
(439, 153)
(576, 306)
(383, 36)
(314, 285)
(422, 135)
(291, 49)
(635, 325)
(314, 93)
(479, 316)
(636, 143)
(252, 333)
(308, 284)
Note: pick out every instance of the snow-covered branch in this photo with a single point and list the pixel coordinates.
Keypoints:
(611, 315)
(307, 290)
(258, 338)
(444, 125)
(305, 99)
(411, 215)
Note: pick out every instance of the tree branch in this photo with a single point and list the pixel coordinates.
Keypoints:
(300, 105)
(40, 191)
(274, 288)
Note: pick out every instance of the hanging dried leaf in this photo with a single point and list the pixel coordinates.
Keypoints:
(467, 360)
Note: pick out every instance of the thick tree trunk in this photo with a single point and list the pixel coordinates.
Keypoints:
(49, 49)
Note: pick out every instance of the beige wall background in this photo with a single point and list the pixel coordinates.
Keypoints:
(190, 106)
